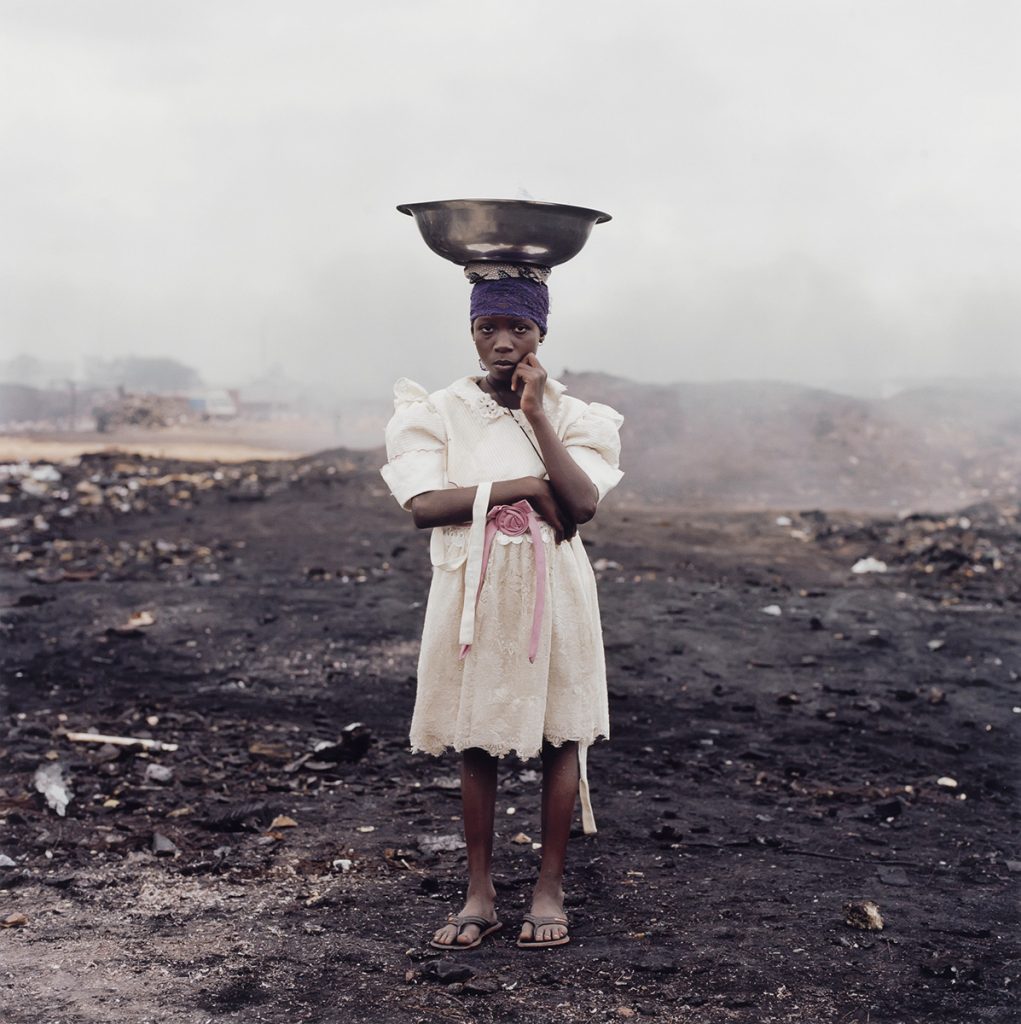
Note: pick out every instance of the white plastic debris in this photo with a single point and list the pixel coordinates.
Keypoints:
(159, 773)
(946, 782)
(935, 645)
(50, 781)
(772, 609)
(783, 520)
(606, 565)
(868, 564)
(42, 473)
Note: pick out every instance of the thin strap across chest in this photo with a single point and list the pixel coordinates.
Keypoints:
(528, 437)
(518, 424)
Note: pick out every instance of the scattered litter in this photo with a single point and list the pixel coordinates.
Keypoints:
(863, 914)
(868, 564)
(353, 744)
(250, 815)
(772, 609)
(783, 521)
(606, 565)
(162, 846)
(935, 645)
(283, 821)
(137, 620)
(521, 839)
(947, 782)
(343, 865)
(121, 741)
(440, 844)
(366, 828)
(158, 773)
(446, 972)
(49, 779)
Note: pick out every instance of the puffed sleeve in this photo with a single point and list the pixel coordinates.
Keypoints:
(593, 441)
(416, 444)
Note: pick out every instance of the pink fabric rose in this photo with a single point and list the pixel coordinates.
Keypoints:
(511, 520)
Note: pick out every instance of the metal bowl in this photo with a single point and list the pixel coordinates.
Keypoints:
(506, 230)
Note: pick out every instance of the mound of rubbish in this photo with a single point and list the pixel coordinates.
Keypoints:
(755, 444)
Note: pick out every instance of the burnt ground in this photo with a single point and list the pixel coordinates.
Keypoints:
(764, 770)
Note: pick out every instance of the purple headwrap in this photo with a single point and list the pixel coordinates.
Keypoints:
(509, 290)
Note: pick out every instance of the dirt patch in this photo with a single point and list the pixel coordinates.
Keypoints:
(766, 767)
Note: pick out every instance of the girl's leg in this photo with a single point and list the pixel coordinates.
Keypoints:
(559, 792)
(478, 802)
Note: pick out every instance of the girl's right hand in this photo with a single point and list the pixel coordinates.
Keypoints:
(545, 503)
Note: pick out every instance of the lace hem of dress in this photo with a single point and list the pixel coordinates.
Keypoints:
(435, 746)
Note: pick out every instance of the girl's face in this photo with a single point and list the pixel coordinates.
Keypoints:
(503, 341)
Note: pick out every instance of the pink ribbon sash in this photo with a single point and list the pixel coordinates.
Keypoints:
(515, 521)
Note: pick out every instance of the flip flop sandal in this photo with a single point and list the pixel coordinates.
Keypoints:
(536, 923)
(485, 928)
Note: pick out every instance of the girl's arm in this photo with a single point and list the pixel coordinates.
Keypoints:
(452, 506)
(571, 485)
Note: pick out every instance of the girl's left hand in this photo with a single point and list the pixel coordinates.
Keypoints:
(530, 379)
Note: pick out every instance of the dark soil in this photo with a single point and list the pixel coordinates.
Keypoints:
(764, 769)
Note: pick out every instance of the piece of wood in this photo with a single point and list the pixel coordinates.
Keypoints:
(120, 741)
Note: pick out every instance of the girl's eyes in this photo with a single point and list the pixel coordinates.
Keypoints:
(489, 328)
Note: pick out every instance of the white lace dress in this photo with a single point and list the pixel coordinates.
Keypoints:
(495, 698)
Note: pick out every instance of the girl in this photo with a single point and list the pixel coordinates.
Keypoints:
(504, 467)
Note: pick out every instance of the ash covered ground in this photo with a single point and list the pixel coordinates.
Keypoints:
(789, 736)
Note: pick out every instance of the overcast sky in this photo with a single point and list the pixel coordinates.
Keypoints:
(809, 190)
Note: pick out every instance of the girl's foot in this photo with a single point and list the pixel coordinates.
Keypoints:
(483, 905)
(546, 903)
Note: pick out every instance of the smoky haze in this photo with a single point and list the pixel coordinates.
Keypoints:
(817, 193)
